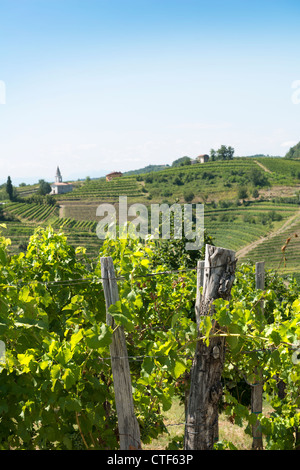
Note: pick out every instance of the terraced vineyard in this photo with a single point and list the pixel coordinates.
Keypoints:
(29, 216)
(230, 223)
(283, 171)
(101, 189)
(32, 211)
(79, 210)
(67, 222)
(20, 232)
(237, 226)
(221, 179)
(212, 179)
(281, 250)
(27, 190)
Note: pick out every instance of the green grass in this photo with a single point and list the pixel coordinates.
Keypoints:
(174, 422)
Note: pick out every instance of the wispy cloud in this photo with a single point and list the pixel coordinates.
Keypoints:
(87, 146)
(289, 143)
(204, 125)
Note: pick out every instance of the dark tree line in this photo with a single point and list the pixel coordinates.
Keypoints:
(223, 153)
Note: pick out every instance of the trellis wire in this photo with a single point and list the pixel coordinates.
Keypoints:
(95, 279)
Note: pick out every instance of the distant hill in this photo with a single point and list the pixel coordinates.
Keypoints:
(146, 169)
(151, 168)
(261, 155)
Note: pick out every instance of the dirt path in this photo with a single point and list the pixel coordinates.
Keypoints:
(289, 223)
(61, 211)
(263, 167)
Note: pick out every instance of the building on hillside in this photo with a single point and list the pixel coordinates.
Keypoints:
(203, 158)
(200, 159)
(113, 174)
(59, 187)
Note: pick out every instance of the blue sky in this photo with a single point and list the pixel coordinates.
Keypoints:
(100, 85)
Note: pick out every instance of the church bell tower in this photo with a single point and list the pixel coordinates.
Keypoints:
(58, 178)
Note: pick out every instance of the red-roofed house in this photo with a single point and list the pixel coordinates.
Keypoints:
(113, 174)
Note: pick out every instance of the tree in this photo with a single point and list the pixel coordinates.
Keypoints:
(9, 189)
(294, 152)
(44, 188)
(213, 155)
(242, 192)
(188, 196)
(182, 161)
(258, 178)
(223, 153)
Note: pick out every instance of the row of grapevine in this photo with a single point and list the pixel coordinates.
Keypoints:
(234, 235)
(101, 188)
(285, 170)
(67, 222)
(20, 232)
(56, 383)
(32, 211)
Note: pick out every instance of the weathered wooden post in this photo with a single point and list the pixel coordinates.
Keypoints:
(129, 430)
(257, 387)
(202, 415)
(200, 279)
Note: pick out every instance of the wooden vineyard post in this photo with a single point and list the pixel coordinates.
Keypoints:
(206, 389)
(200, 278)
(257, 387)
(129, 430)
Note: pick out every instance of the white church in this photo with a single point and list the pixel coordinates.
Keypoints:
(58, 187)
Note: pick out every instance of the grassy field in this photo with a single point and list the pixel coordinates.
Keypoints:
(174, 422)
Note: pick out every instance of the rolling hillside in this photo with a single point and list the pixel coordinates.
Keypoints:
(100, 189)
(259, 219)
(280, 249)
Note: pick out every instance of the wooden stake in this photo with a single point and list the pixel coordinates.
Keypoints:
(129, 430)
(257, 387)
(206, 389)
(200, 279)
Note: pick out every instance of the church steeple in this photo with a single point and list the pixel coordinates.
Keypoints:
(58, 178)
